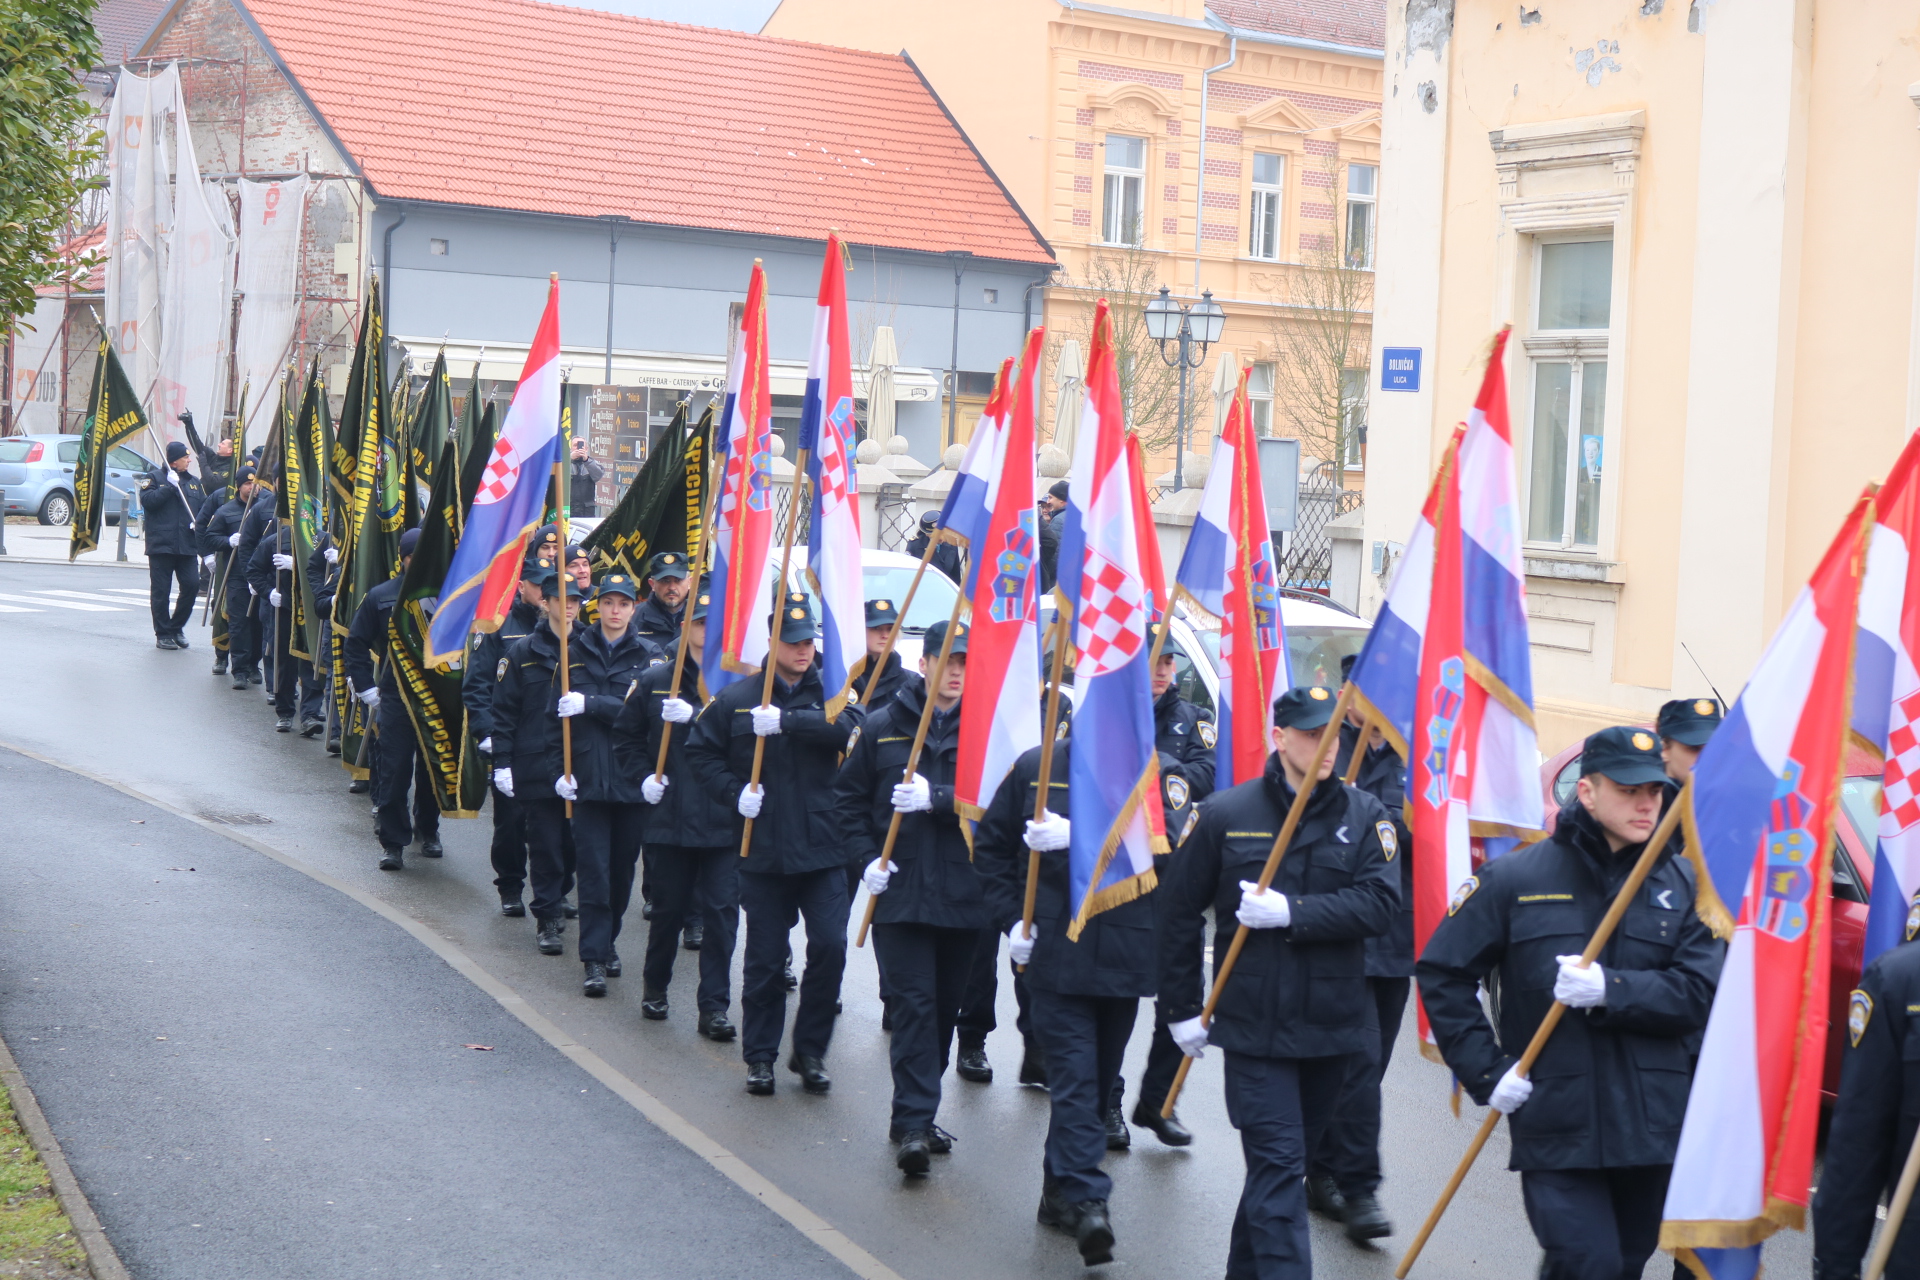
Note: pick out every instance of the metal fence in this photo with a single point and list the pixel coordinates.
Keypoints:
(893, 510)
(1307, 558)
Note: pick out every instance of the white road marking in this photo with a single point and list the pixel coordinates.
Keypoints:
(62, 604)
(142, 592)
(14, 608)
(80, 595)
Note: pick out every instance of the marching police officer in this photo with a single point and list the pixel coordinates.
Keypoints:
(1288, 1021)
(929, 906)
(486, 666)
(219, 520)
(1595, 1127)
(658, 620)
(527, 756)
(401, 761)
(876, 688)
(793, 865)
(170, 500)
(692, 846)
(606, 662)
(1874, 1118)
(1684, 726)
(1343, 1178)
(946, 556)
(1085, 994)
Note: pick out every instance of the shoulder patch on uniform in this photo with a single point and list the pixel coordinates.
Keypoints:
(1060, 734)
(501, 674)
(1388, 840)
(1859, 1014)
(657, 662)
(853, 739)
(1176, 788)
(1464, 892)
(1193, 820)
(1205, 730)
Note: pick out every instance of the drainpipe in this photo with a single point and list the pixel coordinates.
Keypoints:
(1200, 182)
(959, 259)
(1026, 303)
(613, 251)
(386, 271)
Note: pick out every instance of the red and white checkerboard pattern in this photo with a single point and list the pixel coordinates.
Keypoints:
(497, 481)
(833, 468)
(1113, 617)
(1903, 765)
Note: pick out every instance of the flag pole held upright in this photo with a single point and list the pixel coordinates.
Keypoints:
(686, 610)
(1045, 779)
(773, 636)
(560, 626)
(1896, 1212)
(1608, 923)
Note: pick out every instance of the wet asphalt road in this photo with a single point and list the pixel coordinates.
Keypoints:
(294, 1012)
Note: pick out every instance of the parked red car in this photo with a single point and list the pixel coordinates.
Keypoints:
(1853, 848)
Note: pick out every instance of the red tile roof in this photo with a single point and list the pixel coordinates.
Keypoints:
(516, 104)
(1355, 22)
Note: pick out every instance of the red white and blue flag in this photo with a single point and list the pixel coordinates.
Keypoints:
(508, 504)
(1228, 570)
(969, 505)
(833, 534)
(1115, 775)
(1000, 716)
(743, 568)
(1764, 798)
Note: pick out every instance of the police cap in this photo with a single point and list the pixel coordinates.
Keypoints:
(795, 621)
(1689, 721)
(1305, 706)
(617, 584)
(667, 564)
(882, 613)
(1628, 755)
(937, 636)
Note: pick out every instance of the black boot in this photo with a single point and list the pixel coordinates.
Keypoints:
(653, 1005)
(1054, 1210)
(570, 911)
(812, 1072)
(613, 965)
(1093, 1232)
(283, 725)
(549, 935)
(694, 934)
(714, 1026)
(430, 847)
(1366, 1220)
(939, 1141)
(1324, 1198)
(760, 1079)
(913, 1156)
(359, 787)
(512, 906)
(219, 664)
(1168, 1129)
(596, 979)
(390, 859)
(311, 727)
(1033, 1065)
(972, 1063)
(180, 640)
(1119, 1137)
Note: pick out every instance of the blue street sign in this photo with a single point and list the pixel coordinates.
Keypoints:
(1399, 368)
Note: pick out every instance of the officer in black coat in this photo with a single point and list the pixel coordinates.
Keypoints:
(323, 571)
(270, 574)
(1085, 994)
(692, 846)
(946, 556)
(486, 666)
(876, 689)
(929, 903)
(217, 525)
(1874, 1118)
(1595, 1127)
(1684, 725)
(1295, 1008)
(1051, 507)
(1343, 1178)
(400, 763)
(605, 665)
(170, 501)
(793, 865)
(658, 621)
(527, 753)
(245, 639)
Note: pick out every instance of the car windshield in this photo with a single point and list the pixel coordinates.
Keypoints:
(932, 603)
(14, 450)
(1313, 653)
(1860, 798)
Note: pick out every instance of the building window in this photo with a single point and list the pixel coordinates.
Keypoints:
(1126, 189)
(1362, 191)
(438, 248)
(1260, 398)
(989, 296)
(1573, 307)
(1353, 417)
(1263, 240)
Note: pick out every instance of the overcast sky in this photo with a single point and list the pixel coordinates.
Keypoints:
(740, 15)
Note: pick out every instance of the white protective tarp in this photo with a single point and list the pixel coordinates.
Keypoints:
(269, 285)
(36, 368)
(139, 218)
(196, 310)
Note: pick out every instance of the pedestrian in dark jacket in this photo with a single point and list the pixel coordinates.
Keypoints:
(1051, 507)
(692, 847)
(401, 761)
(876, 688)
(527, 754)
(215, 538)
(793, 867)
(245, 638)
(486, 667)
(1594, 1127)
(170, 500)
(929, 903)
(946, 556)
(585, 475)
(1295, 1009)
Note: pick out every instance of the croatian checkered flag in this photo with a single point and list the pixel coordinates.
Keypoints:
(1115, 771)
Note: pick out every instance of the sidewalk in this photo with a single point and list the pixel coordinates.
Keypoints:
(35, 543)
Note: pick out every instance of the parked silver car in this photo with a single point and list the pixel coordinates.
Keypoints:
(36, 473)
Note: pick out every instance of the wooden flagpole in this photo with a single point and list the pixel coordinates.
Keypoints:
(900, 617)
(1050, 732)
(686, 610)
(559, 618)
(1896, 1212)
(773, 634)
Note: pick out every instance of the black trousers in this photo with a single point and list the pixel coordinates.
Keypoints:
(243, 631)
(774, 904)
(606, 844)
(855, 870)
(400, 764)
(1348, 1150)
(1085, 1038)
(689, 880)
(296, 687)
(927, 970)
(509, 848)
(983, 988)
(1163, 1060)
(170, 616)
(1268, 1100)
(550, 853)
(1595, 1224)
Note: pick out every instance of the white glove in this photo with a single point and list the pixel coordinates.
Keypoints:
(1191, 1036)
(1018, 947)
(766, 721)
(252, 591)
(503, 782)
(750, 798)
(913, 796)
(1262, 909)
(566, 788)
(652, 787)
(486, 745)
(1512, 1091)
(1051, 833)
(332, 554)
(233, 539)
(1579, 988)
(676, 711)
(875, 877)
(371, 697)
(273, 597)
(570, 704)
(282, 561)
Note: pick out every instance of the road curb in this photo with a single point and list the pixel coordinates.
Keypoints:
(736, 1170)
(101, 1257)
(11, 558)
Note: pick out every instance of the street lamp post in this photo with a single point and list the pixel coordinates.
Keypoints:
(1191, 330)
